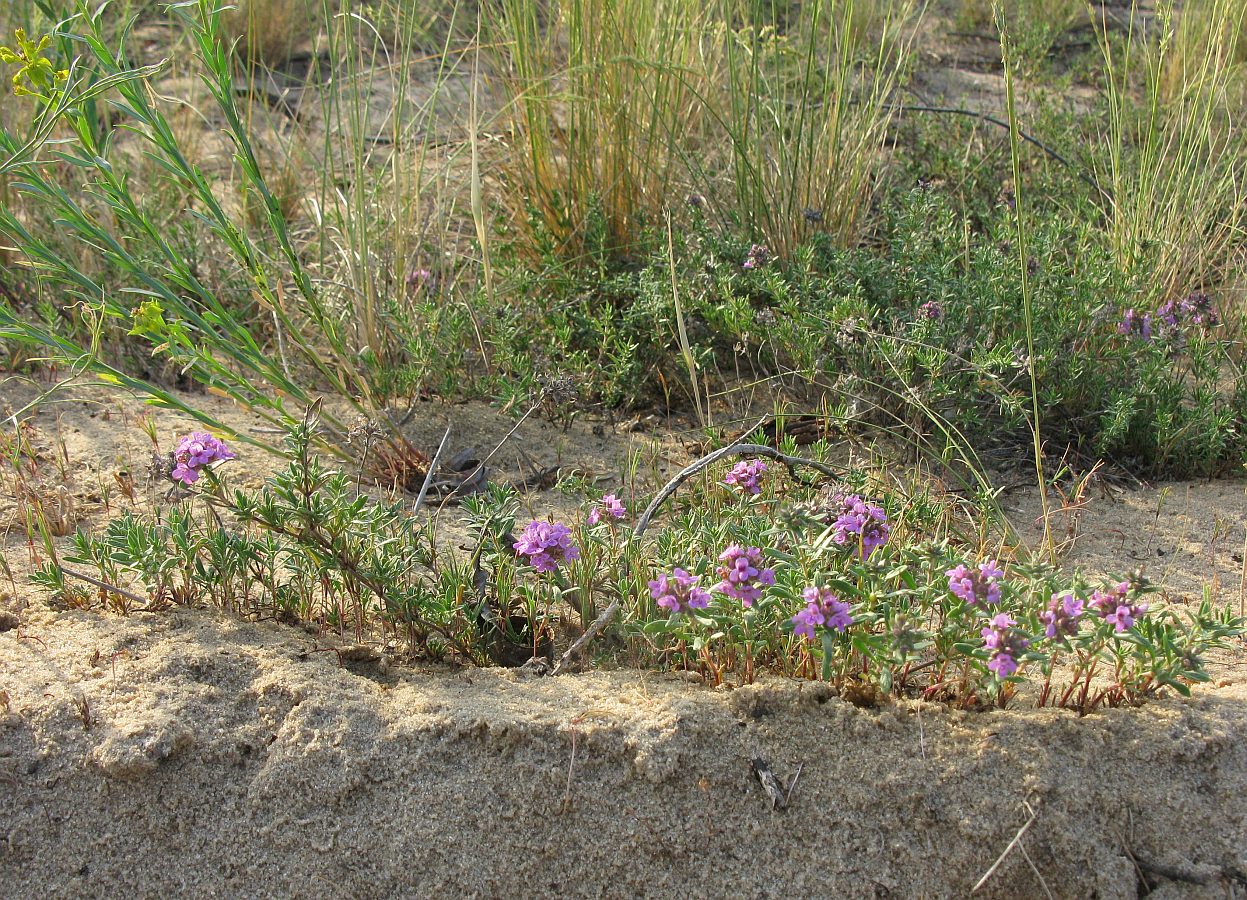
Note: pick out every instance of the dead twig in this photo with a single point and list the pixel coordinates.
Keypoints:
(1017, 838)
(792, 784)
(1042, 883)
(428, 478)
(103, 585)
(735, 449)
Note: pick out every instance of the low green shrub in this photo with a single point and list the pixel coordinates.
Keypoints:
(751, 571)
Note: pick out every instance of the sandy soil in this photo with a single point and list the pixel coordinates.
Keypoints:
(189, 753)
(192, 755)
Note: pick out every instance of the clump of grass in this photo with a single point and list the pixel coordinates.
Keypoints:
(605, 103)
(155, 289)
(1035, 25)
(1173, 161)
(807, 111)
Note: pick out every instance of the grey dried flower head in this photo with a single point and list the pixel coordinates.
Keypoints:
(850, 331)
(161, 466)
(905, 637)
(766, 317)
(558, 390)
(364, 429)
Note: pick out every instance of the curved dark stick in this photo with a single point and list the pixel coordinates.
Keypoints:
(736, 449)
(993, 120)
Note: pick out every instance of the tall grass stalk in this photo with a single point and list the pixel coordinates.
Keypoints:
(686, 350)
(1015, 152)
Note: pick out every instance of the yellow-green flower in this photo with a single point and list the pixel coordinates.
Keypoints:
(37, 76)
(149, 319)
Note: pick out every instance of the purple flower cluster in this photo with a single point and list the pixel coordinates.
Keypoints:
(1062, 616)
(976, 587)
(547, 544)
(1170, 318)
(196, 450)
(822, 608)
(418, 278)
(679, 592)
(1193, 309)
(1005, 644)
(931, 310)
(1113, 607)
(1136, 324)
(745, 475)
(860, 523)
(611, 506)
(759, 255)
(742, 576)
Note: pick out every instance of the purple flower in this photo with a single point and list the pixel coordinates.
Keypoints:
(1062, 615)
(611, 506)
(1172, 317)
(1122, 618)
(679, 592)
(546, 544)
(978, 587)
(1113, 606)
(1136, 324)
(196, 450)
(1005, 643)
(1198, 309)
(742, 574)
(860, 524)
(757, 257)
(418, 278)
(931, 310)
(822, 608)
(745, 475)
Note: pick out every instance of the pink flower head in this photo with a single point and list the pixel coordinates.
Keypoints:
(679, 592)
(975, 587)
(860, 524)
(1113, 607)
(759, 255)
(195, 451)
(546, 544)
(418, 278)
(1062, 615)
(611, 506)
(1136, 324)
(1005, 644)
(742, 574)
(822, 608)
(745, 475)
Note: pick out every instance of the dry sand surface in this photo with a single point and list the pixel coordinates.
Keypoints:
(185, 753)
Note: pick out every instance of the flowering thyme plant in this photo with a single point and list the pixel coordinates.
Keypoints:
(828, 587)
(547, 545)
(745, 476)
(195, 452)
